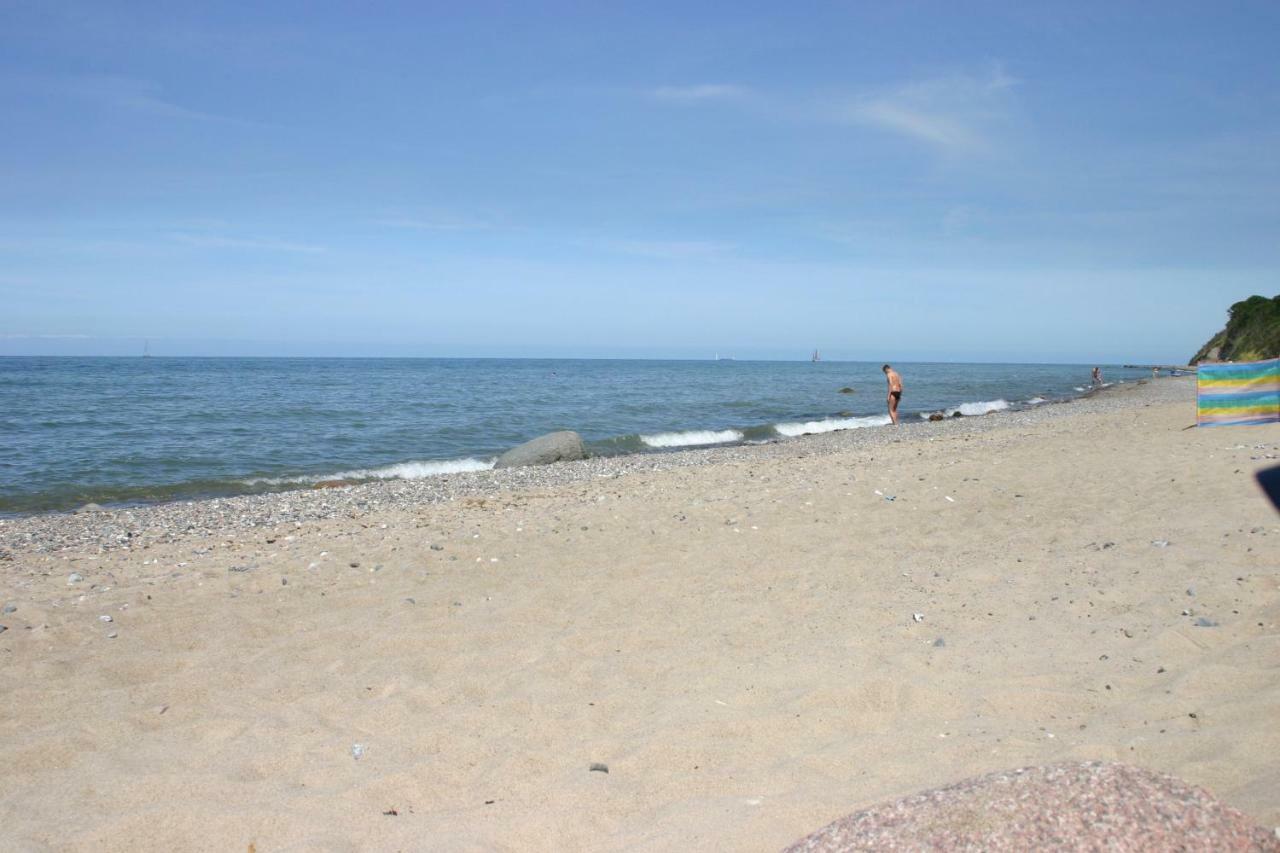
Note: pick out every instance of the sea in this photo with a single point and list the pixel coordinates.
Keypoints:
(128, 431)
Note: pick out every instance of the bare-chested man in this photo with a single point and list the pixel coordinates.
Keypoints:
(895, 392)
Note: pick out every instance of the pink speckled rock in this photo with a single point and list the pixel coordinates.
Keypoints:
(1088, 806)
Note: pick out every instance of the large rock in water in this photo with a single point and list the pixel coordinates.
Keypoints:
(553, 447)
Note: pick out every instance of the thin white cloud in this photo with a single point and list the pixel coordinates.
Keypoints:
(698, 92)
(956, 113)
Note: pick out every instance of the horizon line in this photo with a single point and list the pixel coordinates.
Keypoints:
(1134, 363)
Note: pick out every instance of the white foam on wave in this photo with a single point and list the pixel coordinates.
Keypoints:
(277, 481)
(831, 425)
(1081, 389)
(417, 470)
(692, 438)
(1035, 401)
(398, 471)
(973, 410)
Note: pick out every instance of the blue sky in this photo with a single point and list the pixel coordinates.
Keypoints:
(1068, 182)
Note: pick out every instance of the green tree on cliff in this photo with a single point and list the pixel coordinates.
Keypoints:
(1252, 333)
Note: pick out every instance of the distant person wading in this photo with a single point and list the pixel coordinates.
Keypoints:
(895, 392)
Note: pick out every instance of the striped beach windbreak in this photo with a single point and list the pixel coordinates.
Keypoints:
(1238, 394)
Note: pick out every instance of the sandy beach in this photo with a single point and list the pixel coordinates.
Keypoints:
(753, 641)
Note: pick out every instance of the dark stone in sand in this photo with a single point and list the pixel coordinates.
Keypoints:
(562, 446)
(937, 416)
(599, 768)
(957, 415)
(437, 547)
(1087, 806)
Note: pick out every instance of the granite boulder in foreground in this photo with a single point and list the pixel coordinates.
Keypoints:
(562, 446)
(1086, 806)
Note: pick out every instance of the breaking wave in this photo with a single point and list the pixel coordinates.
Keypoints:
(692, 438)
(416, 470)
(831, 425)
(398, 471)
(1035, 401)
(972, 410)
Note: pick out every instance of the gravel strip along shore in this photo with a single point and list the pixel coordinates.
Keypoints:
(168, 522)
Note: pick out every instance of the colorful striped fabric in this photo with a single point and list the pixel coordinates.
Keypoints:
(1239, 394)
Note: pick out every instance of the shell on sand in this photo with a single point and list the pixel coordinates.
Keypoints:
(1091, 805)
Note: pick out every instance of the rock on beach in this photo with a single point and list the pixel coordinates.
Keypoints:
(1084, 806)
(562, 446)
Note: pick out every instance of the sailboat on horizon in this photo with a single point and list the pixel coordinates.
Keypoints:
(816, 356)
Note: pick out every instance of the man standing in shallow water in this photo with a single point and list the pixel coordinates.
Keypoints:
(895, 392)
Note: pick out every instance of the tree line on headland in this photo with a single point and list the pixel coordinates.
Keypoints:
(1252, 333)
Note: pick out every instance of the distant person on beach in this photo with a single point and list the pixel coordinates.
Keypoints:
(895, 392)
(1155, 373)
(1097, 376)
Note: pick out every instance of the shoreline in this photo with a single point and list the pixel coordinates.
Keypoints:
(50, 476)
(113, 527)
(753, 641)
